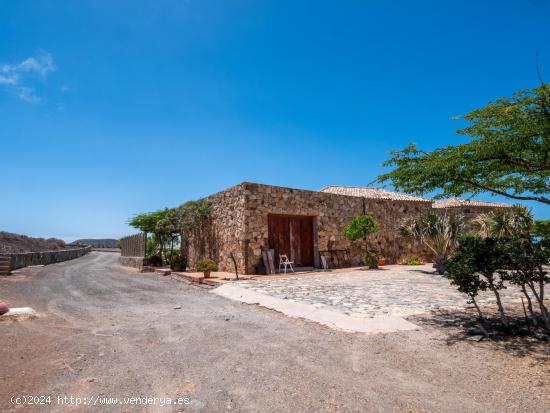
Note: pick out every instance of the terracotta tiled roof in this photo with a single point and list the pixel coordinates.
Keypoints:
(372, 193)
(458, 202)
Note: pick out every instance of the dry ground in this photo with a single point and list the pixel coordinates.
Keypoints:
(106, 331)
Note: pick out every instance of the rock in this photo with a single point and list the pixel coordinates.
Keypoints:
(541, 337)
(475, 338)
(3, 308)
(178, 307)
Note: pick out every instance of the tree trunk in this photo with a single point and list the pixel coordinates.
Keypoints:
(500, 307)
(474, 302)
(529, 303)
(542, 307)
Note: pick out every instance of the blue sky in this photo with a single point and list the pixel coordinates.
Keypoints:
(108, 109)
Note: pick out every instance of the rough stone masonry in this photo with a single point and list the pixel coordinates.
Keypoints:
(239, 223)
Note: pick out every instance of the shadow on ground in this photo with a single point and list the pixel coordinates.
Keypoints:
(462, 325)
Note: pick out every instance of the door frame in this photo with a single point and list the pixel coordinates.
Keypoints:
(315, 240)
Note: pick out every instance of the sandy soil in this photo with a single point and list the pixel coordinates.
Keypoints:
(103, 331)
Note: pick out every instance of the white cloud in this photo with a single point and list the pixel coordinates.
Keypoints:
(18, 75)
(27, 94)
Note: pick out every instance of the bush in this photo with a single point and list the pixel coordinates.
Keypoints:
(360, 227)
(413, 261)
(155, 260)
(477, 266)
(206, 265)
(371, 259)
(171, 253)
(177, 262)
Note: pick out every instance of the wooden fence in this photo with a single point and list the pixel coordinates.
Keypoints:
(133, 245)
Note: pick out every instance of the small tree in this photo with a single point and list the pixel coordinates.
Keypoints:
(526, 267)
(439, 232)
(477, 258)
(151, 223)
(361, 227)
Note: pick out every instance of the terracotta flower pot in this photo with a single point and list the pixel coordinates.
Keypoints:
(206, 274)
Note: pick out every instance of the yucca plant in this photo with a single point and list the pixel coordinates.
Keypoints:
(439, 232)
(504, 223)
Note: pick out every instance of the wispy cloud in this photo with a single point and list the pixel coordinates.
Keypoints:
(27, 94)
(18, 76)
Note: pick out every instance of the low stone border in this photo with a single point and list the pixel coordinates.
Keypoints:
(25, 259)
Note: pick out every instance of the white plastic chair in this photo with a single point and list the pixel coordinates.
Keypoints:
(283, 260)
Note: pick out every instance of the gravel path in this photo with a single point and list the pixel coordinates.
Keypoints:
(106, 331)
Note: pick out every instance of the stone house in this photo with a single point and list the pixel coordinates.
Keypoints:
(249, 218)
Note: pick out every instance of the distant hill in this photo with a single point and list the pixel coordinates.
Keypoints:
(98, 243)
(10, 243)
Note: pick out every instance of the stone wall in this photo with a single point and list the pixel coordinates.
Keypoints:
(132, 262)
(223, 233)
(331, 213)
(20, 260)
(239, 225)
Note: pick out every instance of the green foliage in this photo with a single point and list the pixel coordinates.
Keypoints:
(413, 261)
(541, 229)
(360, 227)
(206, 265)
(148, 222)
(177, 262)
(439, 232)
(475, 266)
(508, 154)
(371, 259)
(504, 223)
(155, 260)
(192, 215)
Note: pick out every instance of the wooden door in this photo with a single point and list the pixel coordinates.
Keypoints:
(293, 236)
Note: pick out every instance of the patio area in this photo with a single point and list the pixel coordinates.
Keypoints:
(395, 290)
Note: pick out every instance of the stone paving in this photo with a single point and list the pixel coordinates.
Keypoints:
(399, 291)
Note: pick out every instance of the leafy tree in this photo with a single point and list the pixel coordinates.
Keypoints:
(152, 223)
(439, 232)
(361, 227)
(526, 266)
(508, 154)
(475, 266)
(541, 229)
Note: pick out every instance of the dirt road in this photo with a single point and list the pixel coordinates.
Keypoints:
(104, 331)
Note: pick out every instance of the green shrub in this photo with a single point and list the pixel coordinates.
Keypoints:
(177, 262)
(360, 227)
(413, 261)
(171, 253)
(371, 259)
(206, 265)
(155, 260)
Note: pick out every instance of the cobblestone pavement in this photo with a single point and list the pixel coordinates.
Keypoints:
(398, 291)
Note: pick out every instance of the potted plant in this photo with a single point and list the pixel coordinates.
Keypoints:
(177, 262)
(206, 266)
(371, 260)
